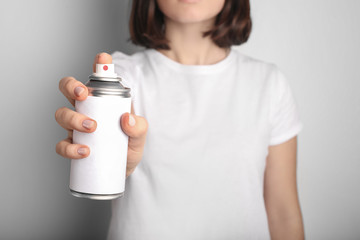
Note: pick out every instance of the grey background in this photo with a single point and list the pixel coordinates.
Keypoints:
(315, 43)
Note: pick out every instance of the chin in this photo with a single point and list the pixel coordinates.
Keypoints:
(190, 18)
(190, 11)
(189, 1)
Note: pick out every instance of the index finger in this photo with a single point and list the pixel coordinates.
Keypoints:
(102, 58)
(73, 89)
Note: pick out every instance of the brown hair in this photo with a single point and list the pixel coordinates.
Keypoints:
(232, 25)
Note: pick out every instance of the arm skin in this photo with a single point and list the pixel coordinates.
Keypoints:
(280, 192)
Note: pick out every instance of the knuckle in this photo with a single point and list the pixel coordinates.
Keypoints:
(59, 114)
(64, 81)
(73, 120)
(61, 149)
(68, 84)
(61, 82)
(69, 151)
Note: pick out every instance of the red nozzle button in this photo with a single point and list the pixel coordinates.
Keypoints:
(105, 68)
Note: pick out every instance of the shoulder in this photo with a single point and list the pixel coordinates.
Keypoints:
(125, 61)
(254, 65)
(127, 66)
(265, 75)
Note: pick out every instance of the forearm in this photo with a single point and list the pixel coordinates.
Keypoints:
(280, 193)
(286, 226)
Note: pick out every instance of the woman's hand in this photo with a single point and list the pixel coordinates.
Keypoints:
(133, 126)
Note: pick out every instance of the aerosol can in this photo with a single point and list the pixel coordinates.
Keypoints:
(102, 174)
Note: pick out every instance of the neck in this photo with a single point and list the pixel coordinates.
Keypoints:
(189, 47)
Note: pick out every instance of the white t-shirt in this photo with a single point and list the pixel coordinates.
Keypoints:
(210, 127)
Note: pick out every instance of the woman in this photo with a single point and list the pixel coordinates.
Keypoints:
(220, 155)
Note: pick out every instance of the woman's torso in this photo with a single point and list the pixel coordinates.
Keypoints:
(201, 176)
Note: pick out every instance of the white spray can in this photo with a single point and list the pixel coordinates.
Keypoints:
(102, 174)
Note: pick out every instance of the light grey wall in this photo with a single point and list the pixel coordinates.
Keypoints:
(315, 43)
(41, 42)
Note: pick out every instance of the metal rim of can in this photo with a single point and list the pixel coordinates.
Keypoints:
(96, 196)
(109, 92)
(100, 87)
(105, 79)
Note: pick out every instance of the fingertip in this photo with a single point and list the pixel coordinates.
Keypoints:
(128, 120)
(124, 121)
(94, 127)
(81, 92)
(83, 151)
(89, 125)
(73, 89)
(104, 58)
(125, 115)
(134, 126)
(132, 120)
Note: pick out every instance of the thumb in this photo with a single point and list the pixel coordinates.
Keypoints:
(136, 128)
(102, 58)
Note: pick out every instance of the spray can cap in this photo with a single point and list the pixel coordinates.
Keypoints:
(105, 71)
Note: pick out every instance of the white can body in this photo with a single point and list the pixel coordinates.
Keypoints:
(103, 172)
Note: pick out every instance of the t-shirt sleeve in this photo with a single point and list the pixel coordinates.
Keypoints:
(126, 69)
(284, 115)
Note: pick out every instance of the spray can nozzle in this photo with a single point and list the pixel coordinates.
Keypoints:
(105, 70)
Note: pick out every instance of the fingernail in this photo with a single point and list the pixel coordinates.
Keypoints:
(132, 121)
(82, 151)
(78, 91)
(88, 124)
